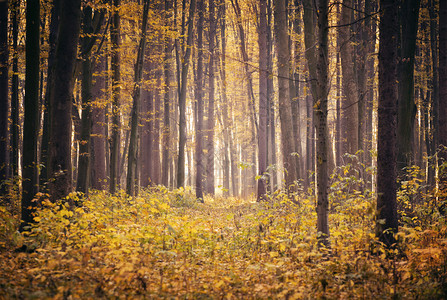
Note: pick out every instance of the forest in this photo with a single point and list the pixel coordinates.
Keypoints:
(223, 149)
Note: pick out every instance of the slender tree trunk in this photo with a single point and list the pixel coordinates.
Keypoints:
(285, 111)
(263, 75)
(409, 17)
(30, 175)
(166, 99)
(321, 126)
(350, 105)
(442, 108)
(99, 129)
(116, 124)
(133, 143)
(210, 141)
(15, 127)
(270, 99)
(182, 98)
(386, 135)
(4, 100)
(199, 104)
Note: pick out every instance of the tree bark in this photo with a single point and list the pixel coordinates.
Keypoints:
(15, 127)
(30, 174)
(182, 98)
(133, 143)
(409, 17)
(285, 111)
(4, 100)
(263, 75)
(199, 104)
(211, 121)
(387, 224)
(442, 107)
(116, 78)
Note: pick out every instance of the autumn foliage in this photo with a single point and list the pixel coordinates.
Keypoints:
(163, 244)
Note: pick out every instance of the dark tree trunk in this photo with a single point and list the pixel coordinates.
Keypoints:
(285, 111)
(166, 100)
(54, 30)
(210, 125)
(133, 143)
(30, 174)
(182, 98)
(199, 104)
(271, 136)
(442, 108)
(263, 75)
(4, 100)
(60, 166)
(15, 127)
(409, 16)
(99, 129)
(116, 124)
(386, 135)
(321, 126)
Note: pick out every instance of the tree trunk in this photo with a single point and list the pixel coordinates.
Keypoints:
(182, 98)
(30, 175)
(350, 106)
(15, 127)
(133, 143)
(271, 136)
(4, 101)
(60, 166)
(166, 99)
(321, 126)
(116, 124)
(199, 104)
(285, 111)
(263, 75)
(210, 125)
(386, 224)
(442, 107)
(409, 17)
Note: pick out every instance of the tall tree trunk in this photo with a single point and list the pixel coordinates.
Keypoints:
(199, 104)
(270, 99)
(86, 90)
(442, 113)
(285, 111)
(60, 166)
(30, 175)
(54, 30)
(133, 143)
(211, 121)
(182, 98)
(99, 129)
(263, 75)
(166, 98)
(15, 127)
(409, 17)
(321, 126)
(156, 168)
(350, 106)
(4, 100)
(386, 135)
(116, 78)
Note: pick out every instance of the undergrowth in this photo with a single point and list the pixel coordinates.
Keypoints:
(164, 244)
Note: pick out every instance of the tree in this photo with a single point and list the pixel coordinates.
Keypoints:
(60, 166)
(263, 77)
(350, 106)
(182, 97)
(321, 126)
(30, 175)
(14, 132)
(4, 99)
(409, 16)
(285, 111)
(210, 139)
(132, 157)
(386, 224)
(442, 113)
(116, 78)
(199, 104)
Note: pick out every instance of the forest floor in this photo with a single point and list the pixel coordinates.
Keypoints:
(162, 244)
